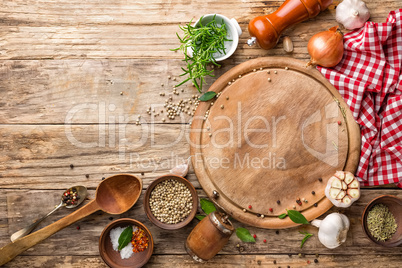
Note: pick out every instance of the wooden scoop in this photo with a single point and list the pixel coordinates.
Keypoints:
(114, 195)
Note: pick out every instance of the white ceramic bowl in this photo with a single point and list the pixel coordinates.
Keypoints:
(233, 29)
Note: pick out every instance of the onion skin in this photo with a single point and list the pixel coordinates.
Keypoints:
(326, 48)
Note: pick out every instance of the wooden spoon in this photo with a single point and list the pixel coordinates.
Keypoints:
(114, 195)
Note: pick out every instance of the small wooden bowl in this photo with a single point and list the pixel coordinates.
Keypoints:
(394, 204)
(112, 257)
(166, 226)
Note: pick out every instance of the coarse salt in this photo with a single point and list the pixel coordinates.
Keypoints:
(115, 233)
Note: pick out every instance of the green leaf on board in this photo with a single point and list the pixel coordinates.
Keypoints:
(297, 217)
(208, 96)
(125, 237)
(306, 236)
(200, 217)
(207, 206)
(244, 235)
(282, 216)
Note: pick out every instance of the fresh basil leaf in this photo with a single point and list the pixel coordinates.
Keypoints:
(306, 236)
(244, 235)
(208, 96)
(282, 216)
(200, 217)
(207, 206)
(297, 217)
(125, 237)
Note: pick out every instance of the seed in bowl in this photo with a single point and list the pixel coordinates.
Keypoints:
(171, 201)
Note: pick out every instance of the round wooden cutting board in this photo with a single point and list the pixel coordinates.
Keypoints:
(275, 134)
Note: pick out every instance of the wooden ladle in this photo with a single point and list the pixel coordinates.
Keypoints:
(114, 195)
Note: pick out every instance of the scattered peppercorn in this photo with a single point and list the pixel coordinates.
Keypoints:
(87, 176)
(313, 193)
(278, 202)
(254, 235)
(250, 207)
(71, 166)
(315, 261)
(315, 204)
(78, 227)
(110, 218)
(265, 240)
(259, 262)
(308, 262)
(238, 245)
(290, 255)
(258, 215)
(316, 255)
(339, 123)
(320, 179)
(271, 209)
(277, 231)
(103, 178)
(288, 266)
(274, 261)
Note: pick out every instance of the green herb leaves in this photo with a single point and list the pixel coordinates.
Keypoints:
(200, 217)
(202, 42)
(297, 217)
(207, 96)
(125, 237)
(282, 216)
(207, 206)
(244, 235)
(306, 236)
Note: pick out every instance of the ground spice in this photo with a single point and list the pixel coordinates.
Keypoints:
(139, 240)
(381, 223)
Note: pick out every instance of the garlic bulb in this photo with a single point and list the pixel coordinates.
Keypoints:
(332, 230)
(181, 169)
(352, 14)
(342, 189)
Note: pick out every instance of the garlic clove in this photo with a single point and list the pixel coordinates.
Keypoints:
(181, 169)
(336, 183)
(333, 192)
(344, 186)
(354, 193)
(354, 184)
(342, 193)
(333, 229)
(349, 178)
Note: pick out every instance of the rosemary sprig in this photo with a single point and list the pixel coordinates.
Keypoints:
(204, 41)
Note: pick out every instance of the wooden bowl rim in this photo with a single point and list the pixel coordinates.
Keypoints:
(364, 220)
(106, 231)
(147, 208)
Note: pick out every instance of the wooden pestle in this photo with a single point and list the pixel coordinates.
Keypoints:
(267, 29)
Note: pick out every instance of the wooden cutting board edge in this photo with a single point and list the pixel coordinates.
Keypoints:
(351, 162)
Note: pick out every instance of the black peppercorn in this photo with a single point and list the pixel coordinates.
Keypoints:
(142, 173)
(315, 204)
(313, 193)
(290, 255)
(315, 260)
(103, 178)
(277, 232)
(320, 179)
(71, 166)
(258, 215)
(110, 218)
(87, 176)
(278, 202)
(274, 261)
(259, 262)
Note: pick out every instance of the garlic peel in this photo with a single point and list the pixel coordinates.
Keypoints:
(352, 14)
(343, 189)
(333, 229)
(181, 169)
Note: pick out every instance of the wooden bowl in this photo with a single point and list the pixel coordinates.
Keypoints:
(112, 258)
(166, 226)
(394, 204)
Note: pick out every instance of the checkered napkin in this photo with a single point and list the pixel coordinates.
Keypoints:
(369, 78)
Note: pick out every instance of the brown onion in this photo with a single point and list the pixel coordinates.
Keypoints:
(326, 48)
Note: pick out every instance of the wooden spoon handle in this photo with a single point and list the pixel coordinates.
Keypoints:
(10, 251)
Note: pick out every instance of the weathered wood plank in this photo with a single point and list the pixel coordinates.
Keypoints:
(23, 206)
(99, 29)
(265, 260)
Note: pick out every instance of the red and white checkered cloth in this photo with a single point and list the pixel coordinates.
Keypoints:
(369, 78)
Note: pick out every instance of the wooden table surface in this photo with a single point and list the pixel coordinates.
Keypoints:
(76, 74)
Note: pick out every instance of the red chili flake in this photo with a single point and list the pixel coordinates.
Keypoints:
(139, 240)
(271, 210)
(250, 206)
(308, 262)
(254, 235)
(78, 227)
(339, 123)
(265, 240)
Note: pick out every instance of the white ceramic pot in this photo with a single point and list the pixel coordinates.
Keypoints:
(233, 29)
